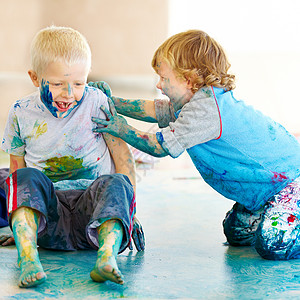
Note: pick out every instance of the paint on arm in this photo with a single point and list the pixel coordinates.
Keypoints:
(117, 126)
(144, 141)
(16, 162)
(139, 109)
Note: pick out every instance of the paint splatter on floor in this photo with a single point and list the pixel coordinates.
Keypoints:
(185, 256)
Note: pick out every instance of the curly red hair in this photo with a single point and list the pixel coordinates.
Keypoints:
(194, 55)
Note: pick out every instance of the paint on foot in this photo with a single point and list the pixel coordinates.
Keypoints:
(32, 274)
(104, 271)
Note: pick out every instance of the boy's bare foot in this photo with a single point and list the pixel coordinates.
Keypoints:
(32, 273)
(107, 270)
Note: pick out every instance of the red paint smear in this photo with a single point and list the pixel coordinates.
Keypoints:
(172, 130)
(278, 177)
(145, 137)
(98, 158)
(291, 218)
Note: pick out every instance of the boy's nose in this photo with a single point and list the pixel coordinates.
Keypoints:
(68, 91)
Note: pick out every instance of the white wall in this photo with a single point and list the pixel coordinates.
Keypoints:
(262, 41)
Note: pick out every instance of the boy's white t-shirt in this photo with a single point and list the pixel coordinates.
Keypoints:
(64, 149)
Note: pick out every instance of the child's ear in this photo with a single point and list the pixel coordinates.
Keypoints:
(189, 83)
(192, 79)
(34, 78)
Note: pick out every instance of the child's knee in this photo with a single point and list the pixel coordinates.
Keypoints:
(35, 190)
(120, 179)
(278, 243)
(240, 226)
(114, 184)
(30, 175)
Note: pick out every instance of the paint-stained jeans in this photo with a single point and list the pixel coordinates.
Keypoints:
(69, 218)
(274, 230)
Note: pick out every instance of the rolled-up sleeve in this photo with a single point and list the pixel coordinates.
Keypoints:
(12, 143)
(164, 112)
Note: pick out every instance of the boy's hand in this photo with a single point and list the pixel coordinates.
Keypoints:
(113, 124)
(7, 240)
(101, 85)
(137, 236)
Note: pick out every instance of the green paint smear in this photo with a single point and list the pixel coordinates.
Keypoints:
(65, 167)
(40, 128)
(274, 223)
(16, 143)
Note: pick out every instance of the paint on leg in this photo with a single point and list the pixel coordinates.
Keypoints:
(110, 238)
(25, 225)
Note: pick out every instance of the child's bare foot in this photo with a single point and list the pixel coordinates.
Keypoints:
(32, 273)
(107, 270)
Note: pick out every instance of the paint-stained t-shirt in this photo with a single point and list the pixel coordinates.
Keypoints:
(241, 153)
(64, 149)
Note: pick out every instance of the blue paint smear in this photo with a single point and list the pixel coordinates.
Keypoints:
(17, 105)
(69, 89)
(46, 97)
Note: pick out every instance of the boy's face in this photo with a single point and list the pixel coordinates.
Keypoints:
(178, 90)
(61, 86)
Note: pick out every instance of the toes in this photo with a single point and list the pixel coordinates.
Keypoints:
(118, 276)
(32, 280)
(23, 283)
(40, 275)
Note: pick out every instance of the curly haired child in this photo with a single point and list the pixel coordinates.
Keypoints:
(241, 153)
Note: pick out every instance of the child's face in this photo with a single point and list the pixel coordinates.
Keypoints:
(178, 90)
(62, 87)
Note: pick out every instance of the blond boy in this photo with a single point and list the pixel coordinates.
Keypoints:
(68, 188)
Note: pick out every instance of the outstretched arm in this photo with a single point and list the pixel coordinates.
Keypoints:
(143, 110)
(139, 109)
(118, 127)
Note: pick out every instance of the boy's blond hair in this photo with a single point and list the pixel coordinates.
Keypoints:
(196, 56)
(54, 44)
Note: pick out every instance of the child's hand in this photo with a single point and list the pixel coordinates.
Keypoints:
(103, 86)
(113, 124)
(137, 235)
(7, 240)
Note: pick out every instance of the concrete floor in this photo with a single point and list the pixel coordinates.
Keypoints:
(185, 256)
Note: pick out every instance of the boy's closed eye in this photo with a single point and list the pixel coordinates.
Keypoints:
(55, 84)
(79, 84)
